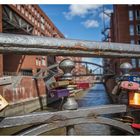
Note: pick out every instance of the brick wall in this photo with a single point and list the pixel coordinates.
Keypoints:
(26, 90)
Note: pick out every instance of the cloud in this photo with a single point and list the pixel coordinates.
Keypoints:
(90, 23)
(104, 16)
(81, 10)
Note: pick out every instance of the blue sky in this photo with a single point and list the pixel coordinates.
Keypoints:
(79, 21)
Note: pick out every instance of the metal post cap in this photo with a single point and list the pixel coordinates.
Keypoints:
(126, 65)
(67, 66)
(66, 63)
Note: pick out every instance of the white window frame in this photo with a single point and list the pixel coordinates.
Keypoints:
(43, 62)
(131, 16)
(133, 62)
(37, 62)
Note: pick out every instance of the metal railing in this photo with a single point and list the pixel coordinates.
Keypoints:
(47, 121)
(35, 45)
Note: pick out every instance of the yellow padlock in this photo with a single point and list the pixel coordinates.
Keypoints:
(3, 103)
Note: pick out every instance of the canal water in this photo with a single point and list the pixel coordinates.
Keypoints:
(94, 97)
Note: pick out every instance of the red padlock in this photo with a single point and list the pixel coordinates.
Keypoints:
(129, 85)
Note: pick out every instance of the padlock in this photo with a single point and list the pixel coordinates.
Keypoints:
(129, 85)
(3, 103)
(59, 84)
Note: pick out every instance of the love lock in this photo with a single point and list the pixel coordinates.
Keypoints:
(3, 103)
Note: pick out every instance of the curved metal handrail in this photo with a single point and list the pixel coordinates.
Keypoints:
(60, 124)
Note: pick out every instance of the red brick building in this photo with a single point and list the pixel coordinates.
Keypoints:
(125, 28)
(31, 20)
(24, 90)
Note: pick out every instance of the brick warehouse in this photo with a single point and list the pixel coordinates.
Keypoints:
(124, 28)
(26, 19)
(25, 91)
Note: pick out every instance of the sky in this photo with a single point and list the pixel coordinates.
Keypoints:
(79, 21)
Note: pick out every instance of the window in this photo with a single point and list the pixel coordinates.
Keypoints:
(132, 42)
(26, 13)
(42, 20)
(29, 6)
(133, 61)
(33, 19)
(35, 32)
(138, 29)
(38, 15)
(35, 22)
(38, 24)
(42, 26)
(37, 62)
(22, 10)
(43, 62)
(130, 15)
(35, 12)
(138, 14)
(33, 9)
(131, 29)
(29, 16)
(18, 7)
(138, 42)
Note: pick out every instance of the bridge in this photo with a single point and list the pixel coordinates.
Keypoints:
(98, 77)
(43, 122)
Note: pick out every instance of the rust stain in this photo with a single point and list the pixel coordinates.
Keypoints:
(80, 47)
(98, 52)
(61, 47)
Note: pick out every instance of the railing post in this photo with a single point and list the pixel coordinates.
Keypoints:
(70, 104)
(70, 130)
(67, 66)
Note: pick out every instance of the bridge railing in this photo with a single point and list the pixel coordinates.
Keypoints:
(35, 45)
(47, 121)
